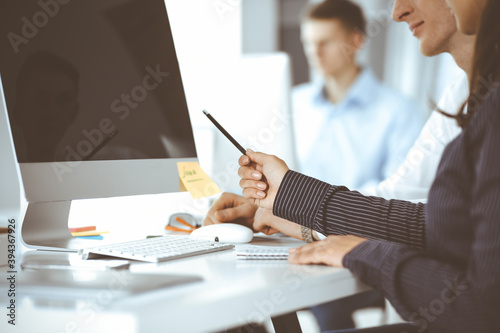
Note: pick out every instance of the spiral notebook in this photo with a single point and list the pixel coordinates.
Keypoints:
(258, 252)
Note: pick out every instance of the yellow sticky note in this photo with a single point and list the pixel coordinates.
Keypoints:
(196, 181)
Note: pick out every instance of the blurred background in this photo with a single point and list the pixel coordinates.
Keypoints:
(239, 58)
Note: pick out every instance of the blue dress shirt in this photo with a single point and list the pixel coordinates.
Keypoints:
(358, 142)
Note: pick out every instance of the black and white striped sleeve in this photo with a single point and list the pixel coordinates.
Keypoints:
(336, 210)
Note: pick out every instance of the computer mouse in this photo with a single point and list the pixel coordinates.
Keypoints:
(224, 233)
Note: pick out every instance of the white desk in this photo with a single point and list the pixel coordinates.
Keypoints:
(234, 292)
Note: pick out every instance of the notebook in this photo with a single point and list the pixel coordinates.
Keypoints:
(259, 252)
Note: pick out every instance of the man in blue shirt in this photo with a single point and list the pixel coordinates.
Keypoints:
(350, 129)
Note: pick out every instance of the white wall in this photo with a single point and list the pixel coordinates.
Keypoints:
(207, 36)
(260, 26)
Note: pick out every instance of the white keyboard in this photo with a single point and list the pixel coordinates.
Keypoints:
(156, 249)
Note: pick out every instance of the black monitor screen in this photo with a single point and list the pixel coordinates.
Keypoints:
(92, 80)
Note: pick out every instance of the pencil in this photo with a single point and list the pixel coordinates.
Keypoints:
(180, 220)
(169, 227)
(235, 143)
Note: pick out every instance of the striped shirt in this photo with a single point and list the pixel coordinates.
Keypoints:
(438, 264)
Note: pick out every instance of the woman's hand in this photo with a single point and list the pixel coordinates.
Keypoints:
(261, 177)
(330, 251)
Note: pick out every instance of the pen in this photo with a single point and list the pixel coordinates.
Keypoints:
(235, 143)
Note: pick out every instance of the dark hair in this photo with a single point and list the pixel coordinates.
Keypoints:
(45, 60)
(485, 63)
(350, 14)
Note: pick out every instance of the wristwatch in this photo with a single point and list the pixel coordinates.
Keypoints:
(306, 234)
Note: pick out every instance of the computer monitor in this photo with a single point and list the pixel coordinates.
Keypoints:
(10, 196)
(95, 103)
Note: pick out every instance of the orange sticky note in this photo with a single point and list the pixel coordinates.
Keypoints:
(88, 233)
(80, 229)
(196, 181)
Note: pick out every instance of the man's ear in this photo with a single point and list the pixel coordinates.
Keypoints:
(358, 39)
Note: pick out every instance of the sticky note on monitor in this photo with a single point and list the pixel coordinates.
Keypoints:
(196, 181)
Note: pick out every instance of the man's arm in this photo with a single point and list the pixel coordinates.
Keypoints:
(233, 208)
(265, 220)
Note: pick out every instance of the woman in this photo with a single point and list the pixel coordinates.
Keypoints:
(437, 263)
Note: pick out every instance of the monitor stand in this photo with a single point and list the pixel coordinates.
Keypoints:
(45, 227)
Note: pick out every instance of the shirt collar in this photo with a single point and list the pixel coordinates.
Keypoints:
(362, 91)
